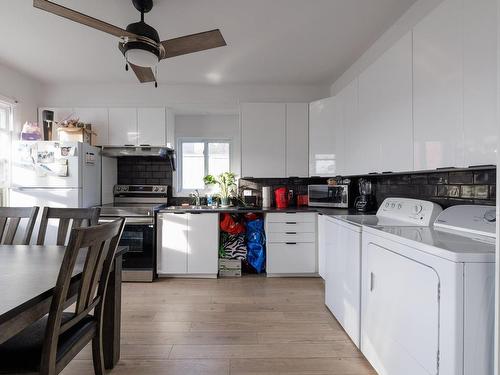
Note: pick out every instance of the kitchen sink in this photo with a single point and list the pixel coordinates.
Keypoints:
(191, 208)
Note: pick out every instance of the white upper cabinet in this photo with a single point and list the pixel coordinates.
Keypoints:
(151, 127)
(358, 141)
(98, 118)
(326, 138)
(438, 88)
(123, 126)
(297, 139)
(263, 139)
(480, 72)
(385, 111)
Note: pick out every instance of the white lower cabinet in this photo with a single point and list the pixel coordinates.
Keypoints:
(322, 246)
(343, 275)
(291, 244)
(188, 244)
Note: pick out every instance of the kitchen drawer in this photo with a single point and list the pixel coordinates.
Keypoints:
(291, 258)
(291, 226)
(299, 217)
(291, 237)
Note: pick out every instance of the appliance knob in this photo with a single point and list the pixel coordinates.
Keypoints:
(417, 209)
(400, 206)
(155, 188)
(387, 205)
(490, 216)
(162, 189)
(393, 205)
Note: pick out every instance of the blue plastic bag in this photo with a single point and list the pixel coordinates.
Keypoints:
(256, 241)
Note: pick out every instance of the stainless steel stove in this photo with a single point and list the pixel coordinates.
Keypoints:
(138, 204)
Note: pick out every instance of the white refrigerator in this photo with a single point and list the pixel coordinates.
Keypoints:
(55, 174)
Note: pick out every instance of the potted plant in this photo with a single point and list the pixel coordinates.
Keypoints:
(226, 182)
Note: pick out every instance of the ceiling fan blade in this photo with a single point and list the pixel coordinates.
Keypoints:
(143, 74)
(193, 43)
(81, 18)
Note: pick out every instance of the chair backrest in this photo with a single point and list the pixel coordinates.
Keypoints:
(10, 217)
(80, 217)
(95, 246)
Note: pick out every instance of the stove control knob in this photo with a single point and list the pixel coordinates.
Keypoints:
(155, 188)
(393, 205)
(162, 189)
(490, 216)
(417, 209)
(387, 205)
(400, 206)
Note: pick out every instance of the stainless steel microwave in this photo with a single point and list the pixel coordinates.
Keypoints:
(328, 196)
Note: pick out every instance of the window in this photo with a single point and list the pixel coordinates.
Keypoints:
(6, 127)
(199, 157)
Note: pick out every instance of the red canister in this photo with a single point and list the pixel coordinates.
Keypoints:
(281, 197)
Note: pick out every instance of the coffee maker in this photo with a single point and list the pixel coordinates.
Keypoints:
(365, 201)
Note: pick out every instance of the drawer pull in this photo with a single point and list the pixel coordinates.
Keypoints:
(291, 222)
(291, 243)
(291, 232)
(372, 281)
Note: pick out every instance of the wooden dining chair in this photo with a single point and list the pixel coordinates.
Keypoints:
(10, 217)
(79, 216)
(48, 345)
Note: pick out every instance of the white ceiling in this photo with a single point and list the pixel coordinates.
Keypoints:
(269, 41)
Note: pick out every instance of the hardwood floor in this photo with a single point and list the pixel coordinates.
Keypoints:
(246, 326)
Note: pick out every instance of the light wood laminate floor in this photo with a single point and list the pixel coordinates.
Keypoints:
(251, 325)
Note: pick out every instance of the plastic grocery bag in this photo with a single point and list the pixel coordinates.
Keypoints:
(256, 251)
(229, 225)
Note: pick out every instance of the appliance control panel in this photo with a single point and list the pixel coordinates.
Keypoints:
(140, 189)
(414, 211)
(469, 218)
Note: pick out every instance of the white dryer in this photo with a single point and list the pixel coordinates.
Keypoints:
(343, 235)
(428, 295)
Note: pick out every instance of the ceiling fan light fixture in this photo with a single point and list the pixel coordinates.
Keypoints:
(141, 57)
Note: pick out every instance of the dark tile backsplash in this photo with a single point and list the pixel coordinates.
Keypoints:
(144, 171)
(447, 188)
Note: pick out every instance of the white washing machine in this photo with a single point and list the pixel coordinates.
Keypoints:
(428, 295)
(343, 236)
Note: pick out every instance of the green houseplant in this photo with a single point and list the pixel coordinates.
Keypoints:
(227, 184)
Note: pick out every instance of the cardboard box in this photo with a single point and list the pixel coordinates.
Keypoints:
(229, 268)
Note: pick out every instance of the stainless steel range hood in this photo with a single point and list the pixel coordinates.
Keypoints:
(163, 152)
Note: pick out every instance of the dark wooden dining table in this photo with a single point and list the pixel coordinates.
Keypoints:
(28, 275)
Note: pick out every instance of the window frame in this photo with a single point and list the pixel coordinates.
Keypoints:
(8, 131)
(205, 140)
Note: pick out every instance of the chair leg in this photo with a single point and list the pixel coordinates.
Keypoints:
(97, 355)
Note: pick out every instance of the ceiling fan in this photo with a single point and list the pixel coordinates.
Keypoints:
(139, 42)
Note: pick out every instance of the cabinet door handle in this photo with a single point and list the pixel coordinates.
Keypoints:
(291, 243)
(291, 233)
(179, 213)
(291, 222)
(372, 281)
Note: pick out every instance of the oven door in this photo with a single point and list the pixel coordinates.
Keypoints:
(138, 236)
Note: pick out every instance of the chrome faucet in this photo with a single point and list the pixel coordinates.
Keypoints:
(196, 196)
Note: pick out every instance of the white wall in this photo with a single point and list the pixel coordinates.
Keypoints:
(212, 126)
(413, 16)
(25, 90)
(137, 95)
